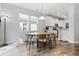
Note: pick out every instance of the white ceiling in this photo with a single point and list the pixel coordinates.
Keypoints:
(47, 8)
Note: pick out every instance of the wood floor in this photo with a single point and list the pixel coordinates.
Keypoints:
(64, 49)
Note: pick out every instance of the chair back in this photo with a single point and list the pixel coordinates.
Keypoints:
(41, 36)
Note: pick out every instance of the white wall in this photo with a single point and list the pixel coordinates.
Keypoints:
(68, 34)
(1, 32)
(65, 34)
(76, 23)
(72, 34)
(13, 32)
(49, 21)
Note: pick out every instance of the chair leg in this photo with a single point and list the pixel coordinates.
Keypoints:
(26, 44)
(33, 44)
(44, 45)
(30, 43)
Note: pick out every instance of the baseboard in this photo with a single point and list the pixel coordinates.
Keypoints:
(71, 42)
(68, 41)
(63, 40)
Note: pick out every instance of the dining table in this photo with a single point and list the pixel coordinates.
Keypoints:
(49, 36)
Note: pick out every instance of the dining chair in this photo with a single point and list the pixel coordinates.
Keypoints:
(54, 40)
(41, 41)
(49, 41)
(31, 40)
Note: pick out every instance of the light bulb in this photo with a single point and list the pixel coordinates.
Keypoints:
(42, 18)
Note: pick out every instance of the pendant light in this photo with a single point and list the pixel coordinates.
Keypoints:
(42, 16)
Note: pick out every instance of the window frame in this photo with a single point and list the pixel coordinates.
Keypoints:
(29, 21)
(21, 15)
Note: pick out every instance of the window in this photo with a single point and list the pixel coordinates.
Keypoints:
(24, 22)
(34, 23)
(34, 19)
(33, 27)
(28, 23)
(23, 17)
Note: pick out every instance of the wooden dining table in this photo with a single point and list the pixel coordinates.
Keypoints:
(49, 35)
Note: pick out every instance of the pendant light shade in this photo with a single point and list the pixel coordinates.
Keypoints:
(42, 18)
